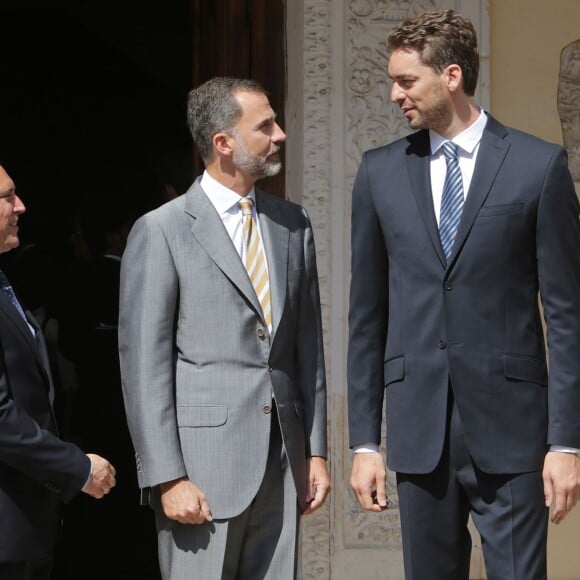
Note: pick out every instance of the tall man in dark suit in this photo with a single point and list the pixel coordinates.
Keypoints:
(455, 230)
(221, 353)
(38, 471)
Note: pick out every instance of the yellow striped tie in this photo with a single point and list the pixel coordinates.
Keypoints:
(255, 259)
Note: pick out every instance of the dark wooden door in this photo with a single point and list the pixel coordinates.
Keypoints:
(242, 38)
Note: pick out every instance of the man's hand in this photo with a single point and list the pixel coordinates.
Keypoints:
(184, 502)
(368, 480)
(318, 483)
(561, 483)
(102, 478)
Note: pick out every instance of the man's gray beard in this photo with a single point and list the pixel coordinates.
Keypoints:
(254, 165)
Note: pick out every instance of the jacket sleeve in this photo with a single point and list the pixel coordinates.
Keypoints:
(310, 352)
(368, 316)
(558, 255)
(147, 314)
(28, 448)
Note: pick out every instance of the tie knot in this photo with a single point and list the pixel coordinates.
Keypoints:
(449, 150)
(246, 204)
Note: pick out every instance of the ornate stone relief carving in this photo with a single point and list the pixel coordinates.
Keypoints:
(372, 120)
(343, 110)
(315, 528)
(569, 104)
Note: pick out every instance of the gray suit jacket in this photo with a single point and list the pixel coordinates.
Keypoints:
(197, 362)
(416, 322)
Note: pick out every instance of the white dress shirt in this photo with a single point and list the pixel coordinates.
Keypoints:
(226, 203)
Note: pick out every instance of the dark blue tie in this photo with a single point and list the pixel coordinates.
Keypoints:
(451, 200)
(9, 292)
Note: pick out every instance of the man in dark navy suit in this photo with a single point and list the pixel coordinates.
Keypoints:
(38, 471)
(455, 230)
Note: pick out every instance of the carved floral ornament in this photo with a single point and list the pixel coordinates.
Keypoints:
(569, 104)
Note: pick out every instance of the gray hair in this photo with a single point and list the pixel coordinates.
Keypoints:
(212, 108)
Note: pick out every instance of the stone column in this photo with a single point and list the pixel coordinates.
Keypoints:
(337, 107)
(569, 105)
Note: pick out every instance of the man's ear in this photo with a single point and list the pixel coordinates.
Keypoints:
(223, 143)
(454, 77)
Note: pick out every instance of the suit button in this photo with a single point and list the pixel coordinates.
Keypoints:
(442, 344)
(267, 409)
(448, 286)
(261, 334)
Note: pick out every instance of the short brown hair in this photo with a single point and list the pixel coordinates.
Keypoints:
(442, 38)
(212, 108)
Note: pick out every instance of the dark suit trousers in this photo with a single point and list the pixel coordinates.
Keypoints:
(34, 570)
(508, 511)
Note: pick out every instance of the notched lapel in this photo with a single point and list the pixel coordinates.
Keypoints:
(276, 240)
(492, 152)
(210, 233)
(418, 156)
(21, 327)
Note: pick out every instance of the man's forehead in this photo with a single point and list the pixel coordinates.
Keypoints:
(6, 183)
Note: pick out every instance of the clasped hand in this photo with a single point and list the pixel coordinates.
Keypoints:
(102, 478)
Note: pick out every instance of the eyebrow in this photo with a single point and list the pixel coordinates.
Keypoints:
(266, 120)
(403, 77)
(9, 193)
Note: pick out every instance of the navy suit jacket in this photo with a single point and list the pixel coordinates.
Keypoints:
(416, 323)
(38, 471)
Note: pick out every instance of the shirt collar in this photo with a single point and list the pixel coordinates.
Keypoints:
(467, 140)
(223, 198)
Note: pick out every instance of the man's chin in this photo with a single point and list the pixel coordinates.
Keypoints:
(9, 244)
(271, 169)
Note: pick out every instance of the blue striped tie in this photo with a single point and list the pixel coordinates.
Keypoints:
(451, 200)
(9, 292)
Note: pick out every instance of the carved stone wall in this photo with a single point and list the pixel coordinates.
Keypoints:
(569, 104)
(338, 106)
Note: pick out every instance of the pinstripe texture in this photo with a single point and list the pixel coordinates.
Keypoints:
(198, 364)
(451, 200)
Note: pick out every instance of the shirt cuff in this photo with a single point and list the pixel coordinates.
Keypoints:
(564, 449)
(88, 478)
(366, 448)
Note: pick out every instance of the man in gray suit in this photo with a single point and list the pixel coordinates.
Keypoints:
(222, 365)
(455, 229)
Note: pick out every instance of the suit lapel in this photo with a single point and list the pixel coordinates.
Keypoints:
(275, 237)
(212, 236)
(11, 314)
(418, 163)
(492, 151)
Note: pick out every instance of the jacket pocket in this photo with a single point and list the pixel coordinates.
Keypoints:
(525, 368)
(201, 415)
(394, 370)
(502, 209)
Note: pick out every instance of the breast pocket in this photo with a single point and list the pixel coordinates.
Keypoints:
(501, 209)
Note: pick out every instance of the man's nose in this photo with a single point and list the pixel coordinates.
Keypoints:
(278, 136)
(19, 207)
(396, 93)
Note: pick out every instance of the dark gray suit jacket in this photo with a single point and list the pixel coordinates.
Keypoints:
(197, 363)
(38, 471)
(415, 323)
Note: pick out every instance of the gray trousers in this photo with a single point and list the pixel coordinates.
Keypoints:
(258, 544)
